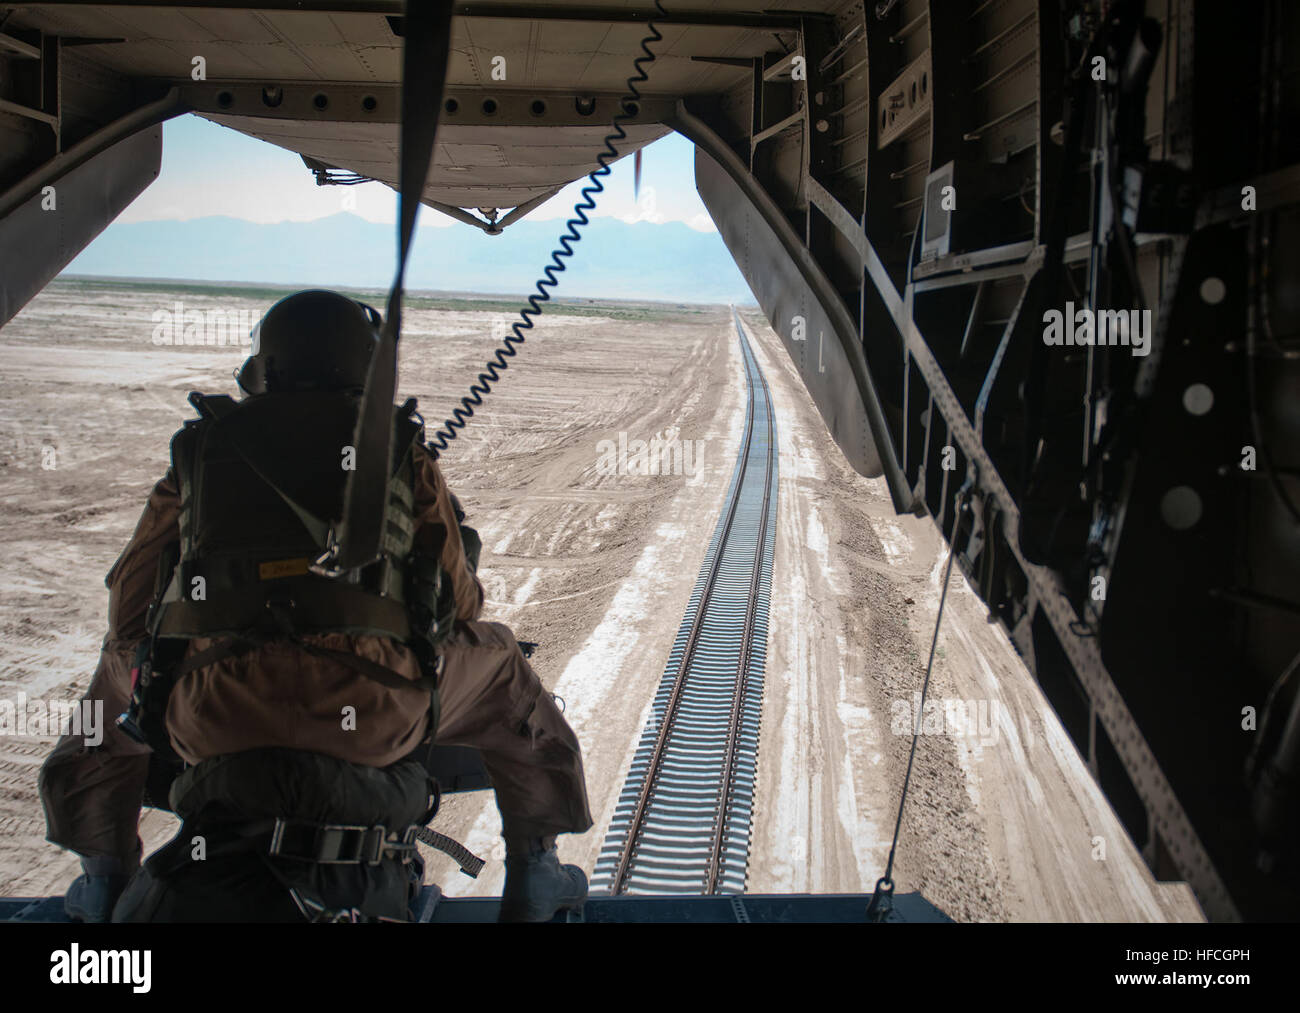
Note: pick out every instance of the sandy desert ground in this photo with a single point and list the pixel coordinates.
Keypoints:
(1002, 818)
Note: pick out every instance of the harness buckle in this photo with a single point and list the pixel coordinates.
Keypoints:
(340, 844)
(401, 846)
(345, 845)
(326, 563)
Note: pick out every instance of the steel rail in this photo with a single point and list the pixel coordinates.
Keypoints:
(742, 663)
(694, 797)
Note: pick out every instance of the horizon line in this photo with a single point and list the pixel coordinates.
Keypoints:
(464, 294)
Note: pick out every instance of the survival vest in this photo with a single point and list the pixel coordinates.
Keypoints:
(260, 481)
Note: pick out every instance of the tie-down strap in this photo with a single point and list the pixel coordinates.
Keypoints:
(470, 864)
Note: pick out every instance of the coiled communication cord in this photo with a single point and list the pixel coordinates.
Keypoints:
(498, 364)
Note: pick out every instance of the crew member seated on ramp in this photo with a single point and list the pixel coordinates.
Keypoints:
(300, 702)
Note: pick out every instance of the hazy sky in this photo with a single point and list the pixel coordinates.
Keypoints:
(212, 170)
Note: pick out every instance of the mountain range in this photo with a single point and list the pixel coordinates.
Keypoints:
(614, 260)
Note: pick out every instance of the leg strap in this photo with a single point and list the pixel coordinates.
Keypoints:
(381, 674)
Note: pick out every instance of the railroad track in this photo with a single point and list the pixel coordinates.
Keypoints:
(682, 820)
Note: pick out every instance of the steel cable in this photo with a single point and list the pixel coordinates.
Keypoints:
(628, 108)
(880, 905)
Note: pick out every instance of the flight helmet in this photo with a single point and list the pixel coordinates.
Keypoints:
(312, 340)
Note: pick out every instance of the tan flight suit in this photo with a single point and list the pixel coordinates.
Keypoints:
(279, 695)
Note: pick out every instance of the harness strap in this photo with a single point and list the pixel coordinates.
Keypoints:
(304, 841)
(320, 843)
(313, 608)
(236, 646)
(373, 670)
(231, 648)
(339, 844)
(316, 912)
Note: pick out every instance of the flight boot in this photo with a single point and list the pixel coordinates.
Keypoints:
(92, 895)
(537, 885)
